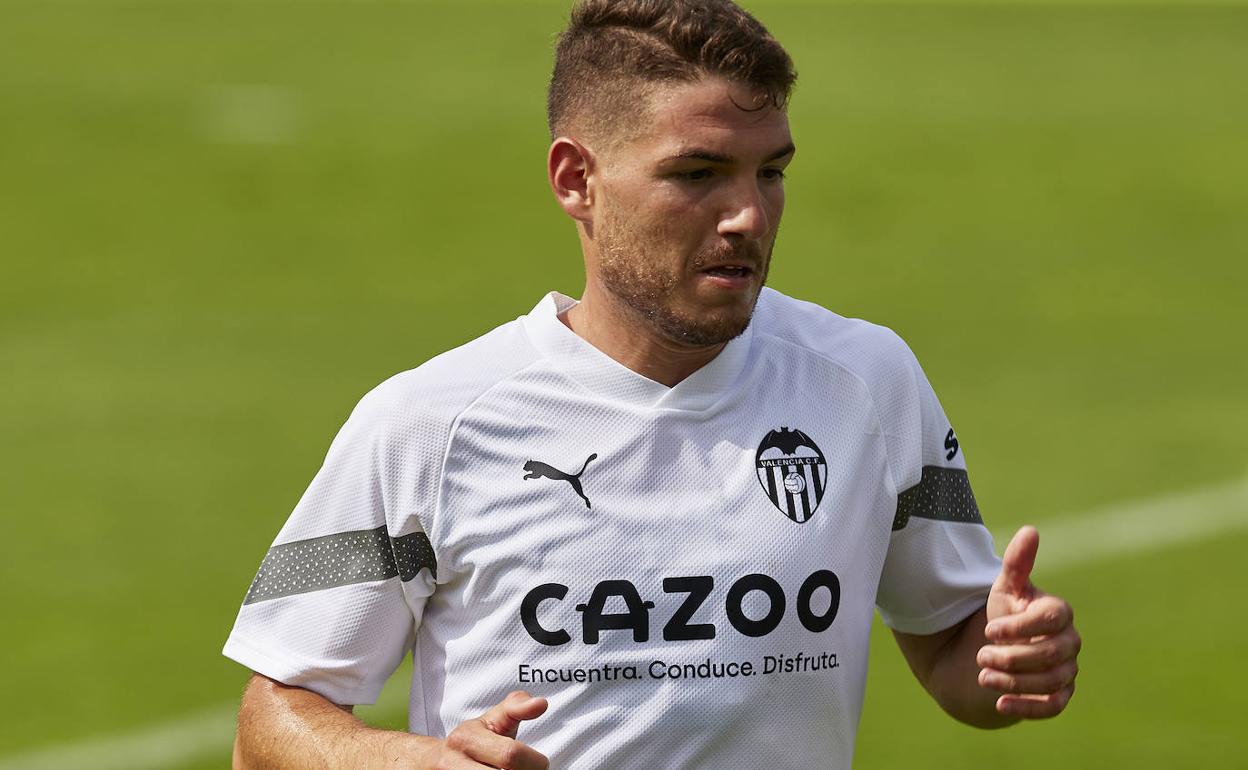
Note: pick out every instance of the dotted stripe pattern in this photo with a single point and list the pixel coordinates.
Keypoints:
(943, 494)
(363, 556)
(413, 553)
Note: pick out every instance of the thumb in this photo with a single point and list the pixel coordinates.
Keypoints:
(1017, 562)
(504, 718)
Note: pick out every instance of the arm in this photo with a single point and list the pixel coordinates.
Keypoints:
(281, 726)
(1015, 658)
(290, 727)
(944, 663)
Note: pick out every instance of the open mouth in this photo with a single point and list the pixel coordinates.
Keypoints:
(729, 271)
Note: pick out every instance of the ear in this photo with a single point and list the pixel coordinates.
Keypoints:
(568, 166)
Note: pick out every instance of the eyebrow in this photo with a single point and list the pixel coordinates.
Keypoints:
(715, 157)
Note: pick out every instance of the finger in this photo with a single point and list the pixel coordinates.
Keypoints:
(1041, 655)
(473, 741)
(504, 718)
(1036, 706)
(1043, 683)
(1045, 616)
(1017, 562)
(521, 706)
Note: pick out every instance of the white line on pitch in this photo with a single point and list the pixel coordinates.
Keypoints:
(199, 736)
(1067, 541)
(165, 745)
(1140, 525)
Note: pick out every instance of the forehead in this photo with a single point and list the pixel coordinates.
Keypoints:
(712, 114)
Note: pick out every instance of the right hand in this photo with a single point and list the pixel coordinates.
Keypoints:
(490, 739)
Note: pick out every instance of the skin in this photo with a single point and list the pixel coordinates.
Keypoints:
(289, 727)
(701, 185)
(660, 214)
(1016, 658)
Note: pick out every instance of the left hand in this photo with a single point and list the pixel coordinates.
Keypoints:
(1033, 644)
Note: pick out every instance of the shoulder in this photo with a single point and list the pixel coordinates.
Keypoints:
(875, 354)
(428, 399)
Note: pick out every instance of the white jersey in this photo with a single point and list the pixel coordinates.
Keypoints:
(687, 573)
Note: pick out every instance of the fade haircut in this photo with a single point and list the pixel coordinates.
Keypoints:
(615, 52)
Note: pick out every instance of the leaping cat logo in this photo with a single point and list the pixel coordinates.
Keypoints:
(536, 470)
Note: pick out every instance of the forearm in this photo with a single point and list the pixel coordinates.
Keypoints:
(949, 673)
(289, 727)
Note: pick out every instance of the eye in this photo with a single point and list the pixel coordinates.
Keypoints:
(696, 175)
(773, 174)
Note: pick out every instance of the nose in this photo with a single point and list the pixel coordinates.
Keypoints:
(746, 213)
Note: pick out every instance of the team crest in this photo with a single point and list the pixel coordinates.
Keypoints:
(793, 472)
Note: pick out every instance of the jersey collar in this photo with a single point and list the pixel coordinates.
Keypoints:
(595, 370)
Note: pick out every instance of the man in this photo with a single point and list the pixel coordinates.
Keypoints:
(667, 510)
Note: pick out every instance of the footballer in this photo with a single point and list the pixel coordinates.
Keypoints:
(649, 527)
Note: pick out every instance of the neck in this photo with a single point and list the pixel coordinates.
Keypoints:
(629, 339)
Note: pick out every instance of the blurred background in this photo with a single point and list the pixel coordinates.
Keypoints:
(222, 222)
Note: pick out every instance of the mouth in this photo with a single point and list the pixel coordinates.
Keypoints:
(730, 271)
(729, 276)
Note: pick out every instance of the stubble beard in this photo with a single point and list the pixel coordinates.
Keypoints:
(649, 291)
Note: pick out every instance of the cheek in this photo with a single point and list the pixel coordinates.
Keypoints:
(775, 206)
(674, 220)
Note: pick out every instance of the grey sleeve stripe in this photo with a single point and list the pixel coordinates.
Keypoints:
(413, 552)
(363, 556)
(943, 494)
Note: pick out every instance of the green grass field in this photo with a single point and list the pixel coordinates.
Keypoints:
(223, 222)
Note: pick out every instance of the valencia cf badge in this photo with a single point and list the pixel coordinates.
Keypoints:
(793, 472)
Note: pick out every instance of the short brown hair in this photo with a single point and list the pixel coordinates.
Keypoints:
(613, 50)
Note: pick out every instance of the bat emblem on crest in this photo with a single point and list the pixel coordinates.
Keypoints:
(793, 472)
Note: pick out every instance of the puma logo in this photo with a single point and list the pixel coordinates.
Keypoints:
(537, 470)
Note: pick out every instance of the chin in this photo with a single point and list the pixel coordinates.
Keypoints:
(706, 329)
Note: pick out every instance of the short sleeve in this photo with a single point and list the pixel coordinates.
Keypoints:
(940, 561)
(339, 595)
